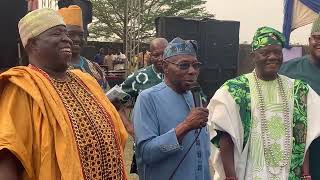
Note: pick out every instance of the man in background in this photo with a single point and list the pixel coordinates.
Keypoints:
(149, 76)
(72, 16)
(108, 61)
(143, 79)
(140, 80)
(99, 57)
(307, 68)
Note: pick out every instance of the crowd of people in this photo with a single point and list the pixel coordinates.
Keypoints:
(57, 123)
(119, 61)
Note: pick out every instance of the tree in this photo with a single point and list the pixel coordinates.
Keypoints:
(110, 16)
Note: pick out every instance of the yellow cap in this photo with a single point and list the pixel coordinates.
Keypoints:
(37, 22)
(72, 15)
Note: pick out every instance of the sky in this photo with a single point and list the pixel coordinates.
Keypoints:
(253, 14)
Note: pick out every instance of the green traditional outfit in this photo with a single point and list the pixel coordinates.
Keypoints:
(301, 68)
(141, 80)
(234, 109)
(271, 123)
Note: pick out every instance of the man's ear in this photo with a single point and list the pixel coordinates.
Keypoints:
(165, 67)
(310, 38)
(31, 45)
(253, 55)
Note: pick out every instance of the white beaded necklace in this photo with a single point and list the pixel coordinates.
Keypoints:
(264, 128)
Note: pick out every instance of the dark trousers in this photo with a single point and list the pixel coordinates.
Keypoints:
(314, 151)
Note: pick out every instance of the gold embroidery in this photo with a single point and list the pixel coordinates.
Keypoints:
(97, 143)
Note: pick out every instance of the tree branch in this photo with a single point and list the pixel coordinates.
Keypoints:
(111, 17)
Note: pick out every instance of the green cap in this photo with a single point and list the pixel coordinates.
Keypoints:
(316, 27)
(266, 36)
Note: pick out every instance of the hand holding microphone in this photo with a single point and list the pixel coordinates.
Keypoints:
(198, 114)
(197, 118)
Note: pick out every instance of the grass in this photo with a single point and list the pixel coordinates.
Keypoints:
(128, 158)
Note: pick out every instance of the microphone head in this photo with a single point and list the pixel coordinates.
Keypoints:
(195, 90)
(195, 87)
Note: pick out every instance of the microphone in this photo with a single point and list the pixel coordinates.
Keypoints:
(195, 90)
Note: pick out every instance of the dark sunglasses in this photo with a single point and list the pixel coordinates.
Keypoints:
(186, 65)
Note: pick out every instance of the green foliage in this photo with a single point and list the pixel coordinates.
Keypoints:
(110, 15)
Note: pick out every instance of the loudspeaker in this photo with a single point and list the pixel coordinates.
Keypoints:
(171, 27)
(218, 46)
(11, 12)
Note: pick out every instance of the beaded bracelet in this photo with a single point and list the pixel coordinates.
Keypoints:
(305, 177)
(231, 178)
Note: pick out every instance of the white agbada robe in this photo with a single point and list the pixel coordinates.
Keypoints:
(250, 160)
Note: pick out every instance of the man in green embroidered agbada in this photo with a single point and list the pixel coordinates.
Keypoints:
(263, 123)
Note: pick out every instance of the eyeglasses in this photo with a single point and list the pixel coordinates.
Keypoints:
(186, 65)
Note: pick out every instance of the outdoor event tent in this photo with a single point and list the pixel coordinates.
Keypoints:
(298, 13)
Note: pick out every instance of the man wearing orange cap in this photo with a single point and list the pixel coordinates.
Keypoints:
(72, 16)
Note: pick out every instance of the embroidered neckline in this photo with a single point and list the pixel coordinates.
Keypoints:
(67, 79)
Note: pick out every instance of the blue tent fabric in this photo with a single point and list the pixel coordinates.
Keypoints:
(312, 4)
(288, 11)
(287, 21)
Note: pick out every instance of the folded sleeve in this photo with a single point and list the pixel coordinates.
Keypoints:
(313, 115)
(16, 127)
(152, 146)
(224, 117)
